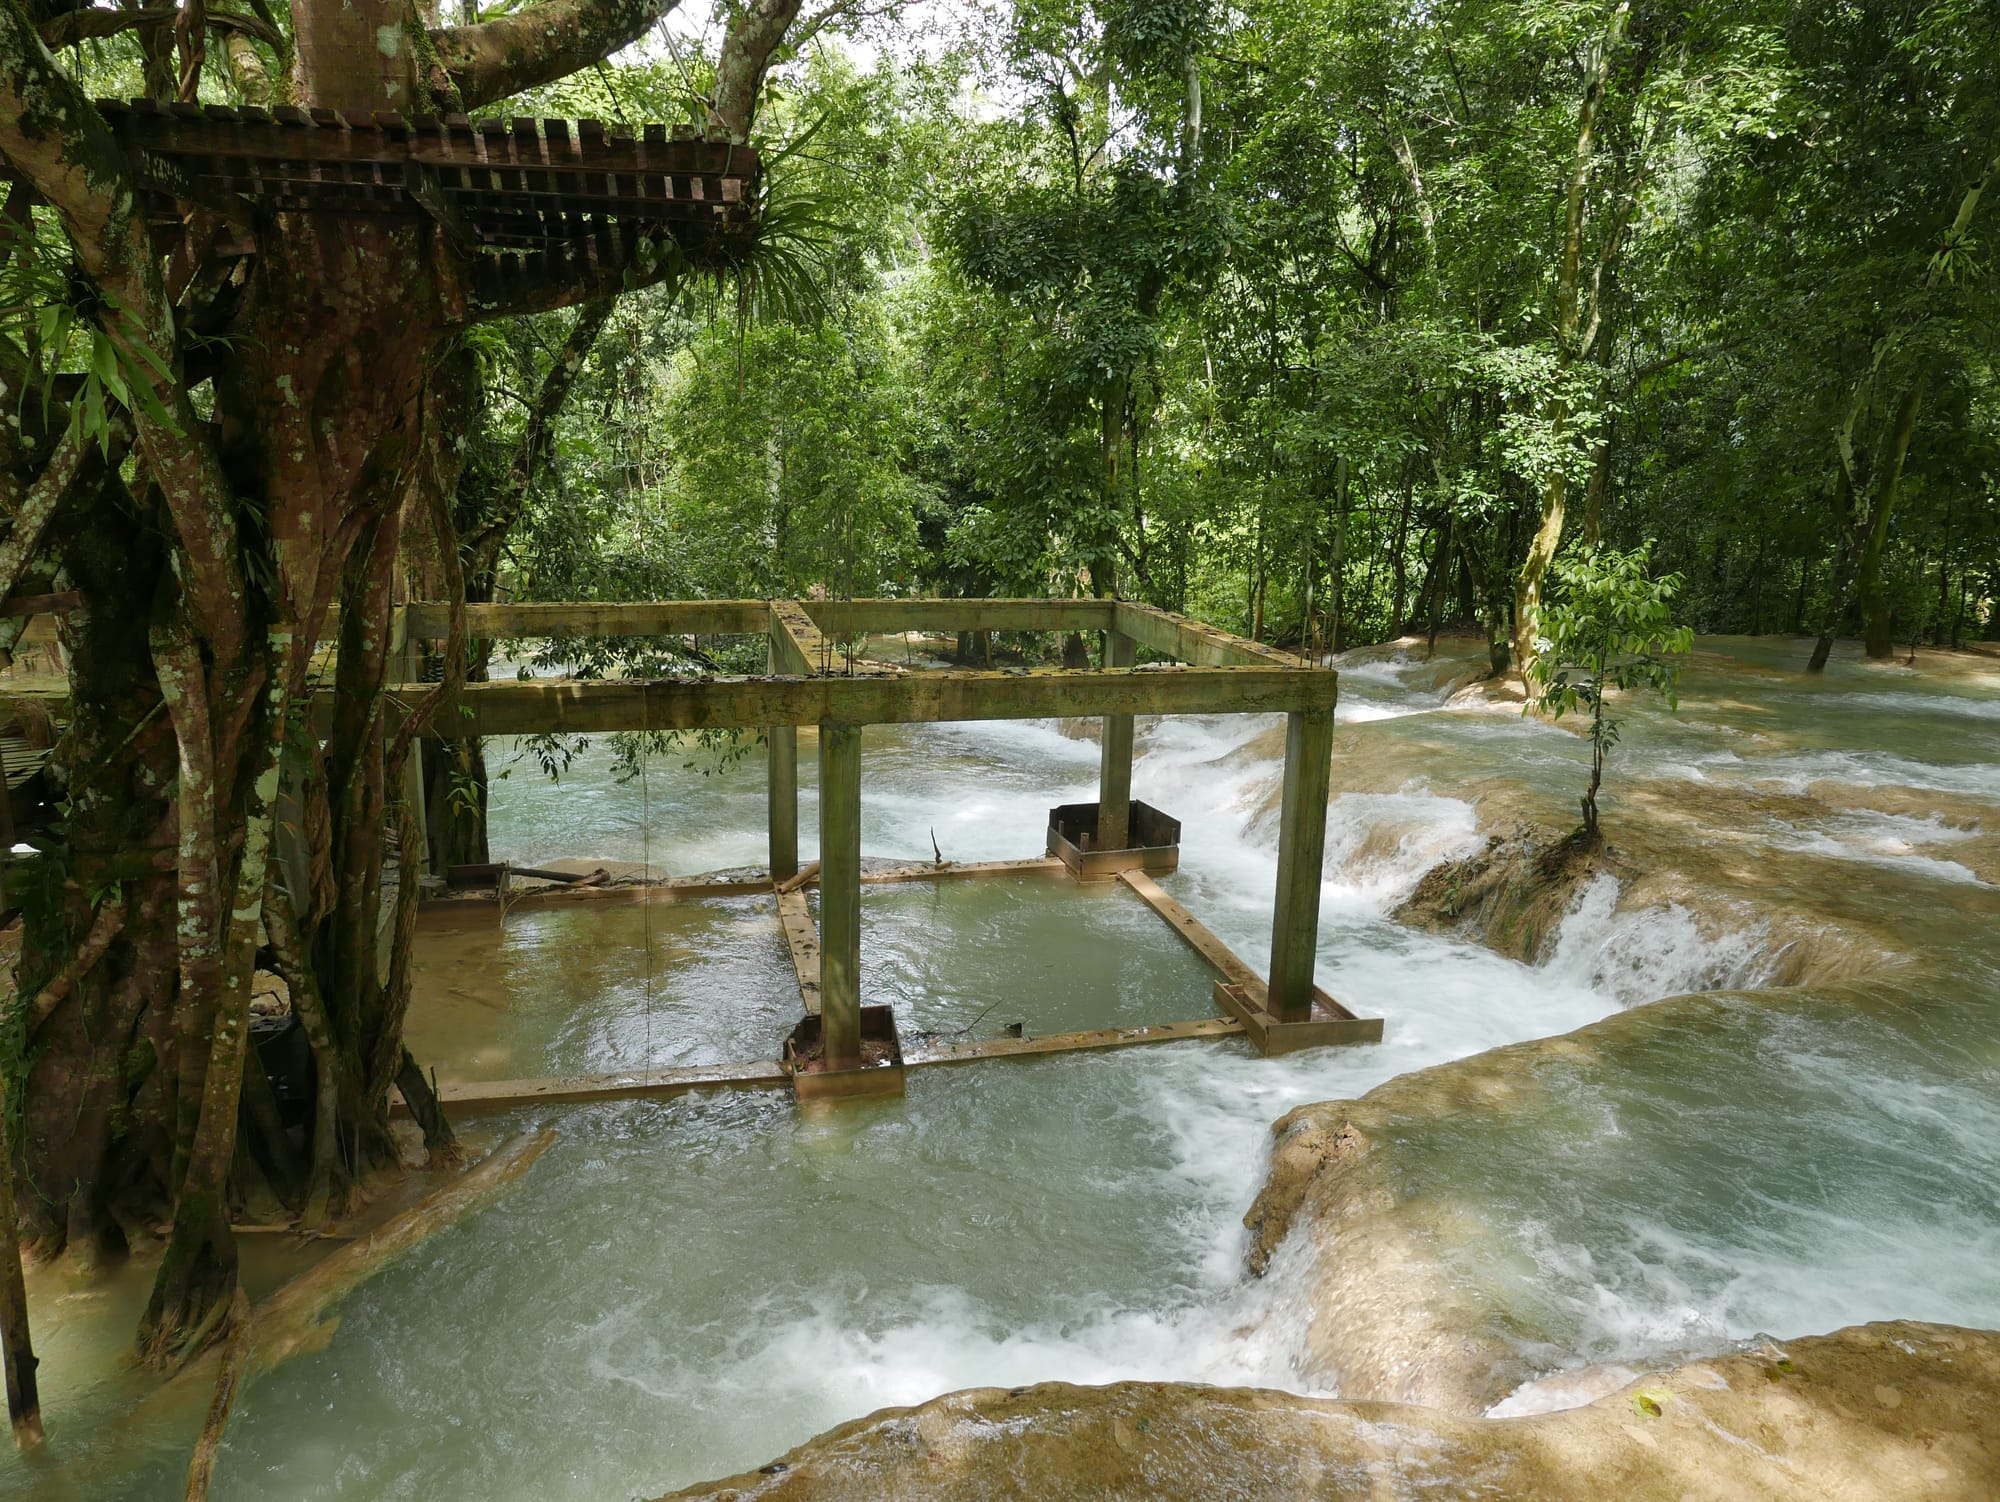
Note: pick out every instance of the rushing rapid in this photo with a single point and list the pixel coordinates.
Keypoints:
(684, 1288)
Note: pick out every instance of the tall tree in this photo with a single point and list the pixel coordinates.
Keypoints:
(268, 488)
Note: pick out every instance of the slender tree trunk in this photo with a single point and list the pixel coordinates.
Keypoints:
(17, 1346)
(1874, 599)
(1337, 631)
(1860, 560)
(1574, 336)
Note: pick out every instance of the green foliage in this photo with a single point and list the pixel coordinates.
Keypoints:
(1611, 628)
(64, 325)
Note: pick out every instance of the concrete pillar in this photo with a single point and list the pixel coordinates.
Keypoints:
(1301, 855)
(781, 790)
(840, 892)
(1114, 767)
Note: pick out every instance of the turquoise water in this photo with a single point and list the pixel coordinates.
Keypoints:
(681, 1289)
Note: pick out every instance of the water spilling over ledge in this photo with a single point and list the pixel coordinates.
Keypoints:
(682, 1289)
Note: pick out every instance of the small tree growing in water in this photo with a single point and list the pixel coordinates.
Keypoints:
(1612, 628)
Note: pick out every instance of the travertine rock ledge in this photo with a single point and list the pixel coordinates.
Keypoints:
(1876, 1412)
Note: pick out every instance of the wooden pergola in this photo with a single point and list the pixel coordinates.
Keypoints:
(816, 678)
(532, 205)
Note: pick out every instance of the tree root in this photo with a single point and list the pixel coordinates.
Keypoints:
(290, 1320)
(109, 923)
(234, 1358)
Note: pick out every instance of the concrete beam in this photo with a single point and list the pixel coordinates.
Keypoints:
(860, 617)
(840, 894)
(565, 618)
(1191, 642)
(600, 705)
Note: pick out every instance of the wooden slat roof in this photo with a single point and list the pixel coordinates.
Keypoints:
(564, 187)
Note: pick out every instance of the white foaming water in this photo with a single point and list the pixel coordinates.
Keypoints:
(1654, 952)
(1797, 772)
(1900, 1222)
(1074, 1219)
(704, 1283)
(1379, 845)
(1893, 840)
(1907, 703)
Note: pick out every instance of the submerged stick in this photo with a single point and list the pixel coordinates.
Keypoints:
(808, 872)
(289, 1321)
(234, 1357)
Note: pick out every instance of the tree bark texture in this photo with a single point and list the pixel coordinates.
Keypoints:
(207, 576)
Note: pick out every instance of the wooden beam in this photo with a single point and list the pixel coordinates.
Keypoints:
(473, 1098)
(1223, 960)
(588, 618)
(931, 1054)
(860, 617)
(1191, 642)
(16, 605)
(1301, 857)
(1041, 865)
(597, 706)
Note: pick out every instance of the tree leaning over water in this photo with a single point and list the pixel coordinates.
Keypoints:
(298, 406)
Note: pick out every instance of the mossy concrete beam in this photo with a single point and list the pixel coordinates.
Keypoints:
(598, 706)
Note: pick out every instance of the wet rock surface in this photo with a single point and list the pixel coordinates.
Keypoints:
(1885, 1411)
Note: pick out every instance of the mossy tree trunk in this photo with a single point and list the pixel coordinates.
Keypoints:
(207, 580)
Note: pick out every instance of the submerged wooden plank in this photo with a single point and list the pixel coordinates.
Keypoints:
(1094, 1040)
(1221, 958)
(802, 939)
(675, 889)
(597, 706)
(699, 888)
(478, 1097)
(1041, 865)
(473, 1098)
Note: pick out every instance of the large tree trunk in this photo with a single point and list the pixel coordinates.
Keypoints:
(1874, 599)
(205, 590)
(97, 1135)
(1860, 554)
